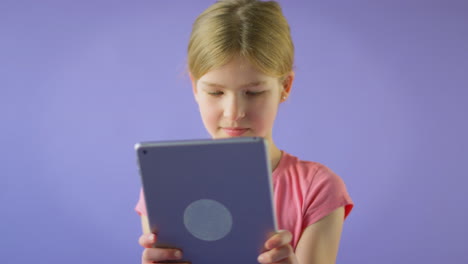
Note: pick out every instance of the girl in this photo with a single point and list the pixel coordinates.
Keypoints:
(240, 60)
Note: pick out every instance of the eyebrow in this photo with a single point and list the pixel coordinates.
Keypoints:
(216, 85)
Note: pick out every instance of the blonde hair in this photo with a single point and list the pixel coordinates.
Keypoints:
(256, 30)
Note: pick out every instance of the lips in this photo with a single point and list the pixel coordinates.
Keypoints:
(234, 131)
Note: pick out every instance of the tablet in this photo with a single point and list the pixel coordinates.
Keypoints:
(210, 198)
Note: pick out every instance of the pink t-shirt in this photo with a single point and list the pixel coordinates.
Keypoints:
(304, 192)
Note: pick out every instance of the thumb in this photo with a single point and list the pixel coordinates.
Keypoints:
(147, 240)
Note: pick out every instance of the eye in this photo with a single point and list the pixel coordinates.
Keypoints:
(250, 93)
(216, 94)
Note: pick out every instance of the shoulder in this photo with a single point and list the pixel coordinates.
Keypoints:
(304, 170)
(321, 189)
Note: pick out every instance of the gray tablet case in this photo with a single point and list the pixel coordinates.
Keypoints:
(210, 198)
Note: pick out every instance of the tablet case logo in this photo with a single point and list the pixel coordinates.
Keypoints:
(208, 220)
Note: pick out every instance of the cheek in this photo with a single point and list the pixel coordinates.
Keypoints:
(209, 112)
(264, 113)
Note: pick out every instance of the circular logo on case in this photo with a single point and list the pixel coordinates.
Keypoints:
(208, 220)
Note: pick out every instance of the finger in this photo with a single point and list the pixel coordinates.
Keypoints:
(172, 262)
(147, 240)
(276, 255)
(160, 254)
(281, 238)
(285, 261)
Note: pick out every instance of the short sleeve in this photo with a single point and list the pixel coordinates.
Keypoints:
(140, 208)
(327, 192)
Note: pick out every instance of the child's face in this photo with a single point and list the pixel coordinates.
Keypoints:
(238, 100)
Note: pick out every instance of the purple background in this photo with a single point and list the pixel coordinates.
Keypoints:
(380, 97)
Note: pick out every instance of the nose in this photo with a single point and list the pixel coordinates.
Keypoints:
(234, 108)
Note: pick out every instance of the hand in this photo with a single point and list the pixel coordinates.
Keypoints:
(279, 249)
(156, 255)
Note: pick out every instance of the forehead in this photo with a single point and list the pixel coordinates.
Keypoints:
(237, 73)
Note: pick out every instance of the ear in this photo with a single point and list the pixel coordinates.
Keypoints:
(194, 86)
(287, 84)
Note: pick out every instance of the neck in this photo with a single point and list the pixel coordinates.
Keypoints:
(275, 155)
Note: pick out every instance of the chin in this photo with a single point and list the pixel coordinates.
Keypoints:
(230, 136)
